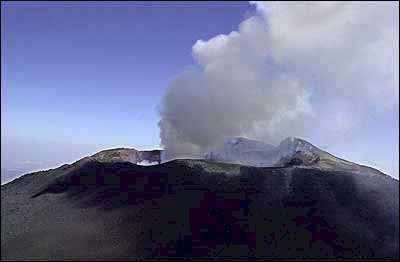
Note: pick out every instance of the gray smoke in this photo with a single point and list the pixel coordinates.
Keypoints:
(284, 68)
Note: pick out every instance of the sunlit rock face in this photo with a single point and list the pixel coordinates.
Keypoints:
(296, 152)
(131, 155)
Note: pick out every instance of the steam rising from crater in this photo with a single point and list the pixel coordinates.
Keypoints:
(285, 69)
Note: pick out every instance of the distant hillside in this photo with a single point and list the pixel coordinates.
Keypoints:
(291, 151)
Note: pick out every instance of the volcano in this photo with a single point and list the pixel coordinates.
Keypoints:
(246, 199)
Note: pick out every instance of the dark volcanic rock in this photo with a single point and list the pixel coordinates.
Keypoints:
(199, 209)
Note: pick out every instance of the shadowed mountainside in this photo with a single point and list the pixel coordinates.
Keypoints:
(199, 209)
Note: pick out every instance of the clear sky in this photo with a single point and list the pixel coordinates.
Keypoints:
(80, 77)
(92, 74)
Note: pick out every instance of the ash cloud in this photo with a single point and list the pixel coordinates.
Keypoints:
(282, 70)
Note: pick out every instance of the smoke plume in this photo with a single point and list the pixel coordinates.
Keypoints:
(289, 67)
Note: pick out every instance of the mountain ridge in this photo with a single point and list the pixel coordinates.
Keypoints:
(106, 208)
(283, 153)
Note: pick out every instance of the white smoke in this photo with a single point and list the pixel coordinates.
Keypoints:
(282, 70)
(147, 163)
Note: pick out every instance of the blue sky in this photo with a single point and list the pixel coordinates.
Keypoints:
(80, 77)
(93, 74)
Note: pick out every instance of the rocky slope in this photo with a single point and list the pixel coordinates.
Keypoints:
(97, 209)
(291, 151)
(129, 155)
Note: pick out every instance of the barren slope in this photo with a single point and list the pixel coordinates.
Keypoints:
(197, 208)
